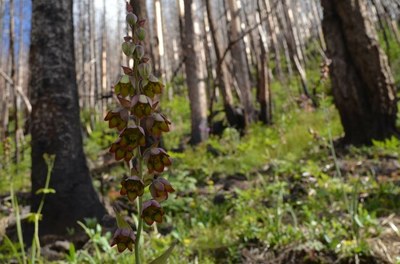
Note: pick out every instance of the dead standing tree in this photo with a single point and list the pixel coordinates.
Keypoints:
(362, 82)
(55, 122)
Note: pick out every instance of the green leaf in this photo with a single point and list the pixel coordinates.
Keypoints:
(45, 191)
(121, 221)
(358, 221)
(164, 257)
(33, 217)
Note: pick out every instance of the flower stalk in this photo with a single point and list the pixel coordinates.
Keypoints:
(140, 125)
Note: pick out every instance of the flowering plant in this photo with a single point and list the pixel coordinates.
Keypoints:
(140, 124)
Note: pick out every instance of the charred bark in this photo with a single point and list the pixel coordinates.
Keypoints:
(55, 125)
(195, 75)
(362, 83)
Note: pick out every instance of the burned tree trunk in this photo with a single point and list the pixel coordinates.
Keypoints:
(362, 83)
(222, 79)
(55, 123)
(240, 65)
(195, 74)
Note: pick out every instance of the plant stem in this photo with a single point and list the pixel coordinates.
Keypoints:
(139, 231)
(36, 241)
(139, 206)
(14, 203)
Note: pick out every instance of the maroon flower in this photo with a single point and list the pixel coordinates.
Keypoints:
(157, 159)
(132, 137)
(157, 123)
(160, 188)
(128, 140)
(124, 87)
(121, 152)
(124, 238)
(152, 212)
(132, 187)
(153, 87)
(141, 106)
(117, 118)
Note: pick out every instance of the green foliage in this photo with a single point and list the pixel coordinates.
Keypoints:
(178, 110)
(300, 194)
(19, 171)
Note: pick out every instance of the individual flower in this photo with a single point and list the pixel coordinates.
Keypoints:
(132, 137)
(124, 87)
(132, 187)
(141, 106)
(157, 159)
(117, 119)
(152, 212)
(124, 238)
(157, 124)
(160, 188)
(121, 152)
(153, 87)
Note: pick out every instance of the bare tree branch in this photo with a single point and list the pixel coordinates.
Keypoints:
(245, 33)
(19, 90)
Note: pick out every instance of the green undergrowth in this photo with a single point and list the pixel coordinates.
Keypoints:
(299, 194)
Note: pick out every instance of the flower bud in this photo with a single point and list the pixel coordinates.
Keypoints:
(139, 51)
(144, 70)
(128, 48)
(131, 19)
(141, 33)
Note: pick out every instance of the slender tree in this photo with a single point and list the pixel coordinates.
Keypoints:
(55, 123)
(195, 75)
(362, 83)
(222, 79)
(238, 52)
(14, 80)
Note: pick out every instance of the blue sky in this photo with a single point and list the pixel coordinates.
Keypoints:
(23, 6)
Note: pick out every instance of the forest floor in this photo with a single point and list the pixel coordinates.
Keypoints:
(280, 194)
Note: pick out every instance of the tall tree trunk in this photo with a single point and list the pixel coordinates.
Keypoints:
(55, 126)
(238, 52)
(274, 40)
(14, 80)
(103, 66)
(222, 81)
(315, 6)
(295, 51)
(264, 96)
(155, 44)
(195, 74)
(94, 63)
(362, 83)
(281, 24)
